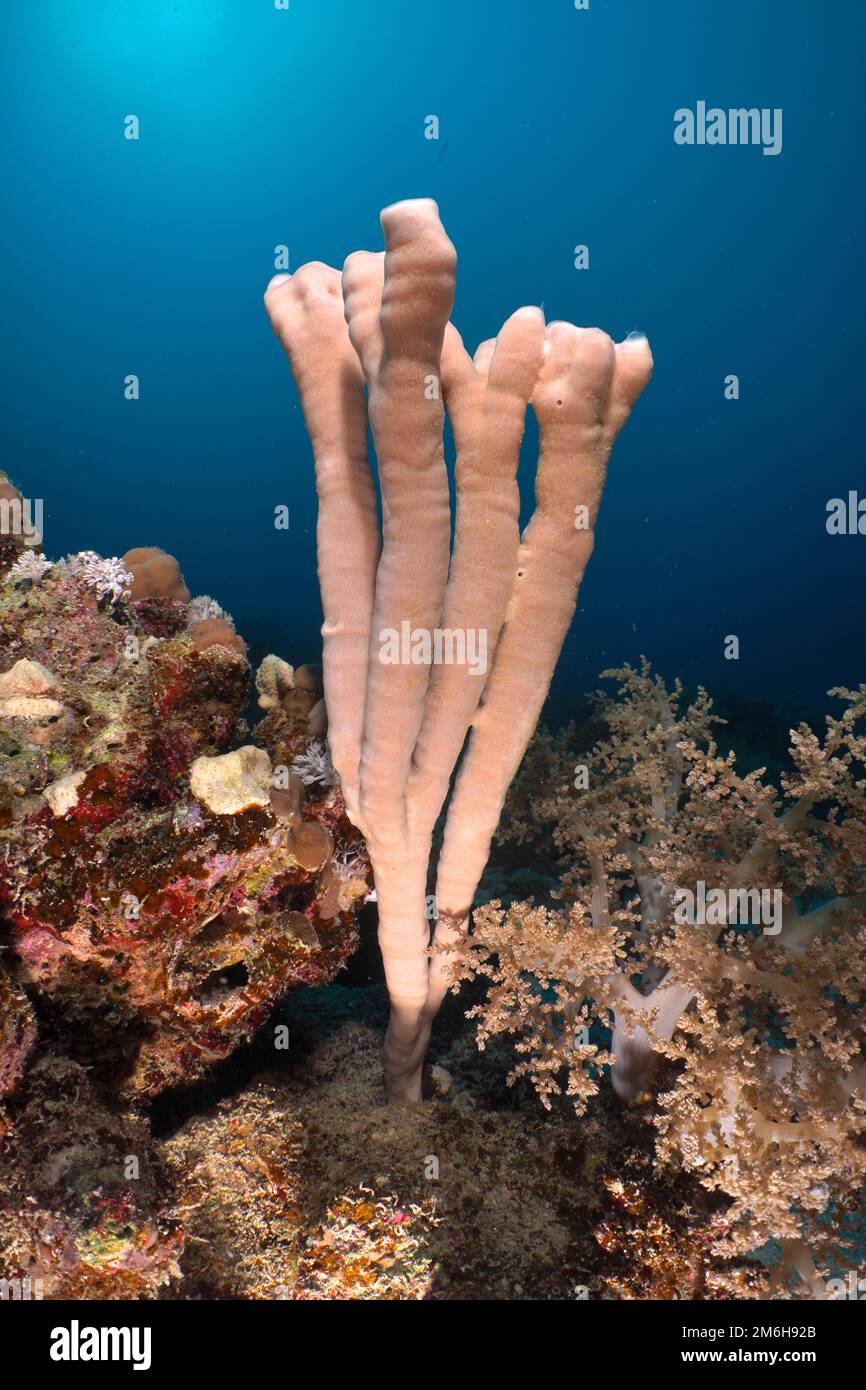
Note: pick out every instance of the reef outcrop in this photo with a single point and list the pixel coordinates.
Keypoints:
(165, 874)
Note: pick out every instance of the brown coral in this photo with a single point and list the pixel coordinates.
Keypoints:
(155, 574)
(216, 632)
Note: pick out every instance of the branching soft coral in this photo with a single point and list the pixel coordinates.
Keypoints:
(712, 919)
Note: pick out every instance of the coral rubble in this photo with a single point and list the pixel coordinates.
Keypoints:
(86, 1210)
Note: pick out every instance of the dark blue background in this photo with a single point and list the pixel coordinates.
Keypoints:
(260, 127)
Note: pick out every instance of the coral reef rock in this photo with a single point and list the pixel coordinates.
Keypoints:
(160, 887)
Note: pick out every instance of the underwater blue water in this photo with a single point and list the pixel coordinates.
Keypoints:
(261, 127)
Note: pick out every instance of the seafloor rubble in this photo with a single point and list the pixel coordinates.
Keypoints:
(86, 1209)
(298, 1182)
(303, 1184)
